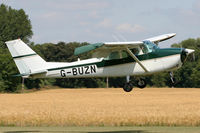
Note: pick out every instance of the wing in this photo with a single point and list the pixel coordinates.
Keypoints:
(122, 44)
(107, 46)
(160, 38)
(104, 49)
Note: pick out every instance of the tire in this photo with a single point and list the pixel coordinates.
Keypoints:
(128, 87)
(141, 83)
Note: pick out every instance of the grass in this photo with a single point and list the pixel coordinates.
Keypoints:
(102, 107)
(143, 129)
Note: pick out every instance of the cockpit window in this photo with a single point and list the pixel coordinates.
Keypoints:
(149, 47)
(114, 55)
(117, 55)
(124, 54)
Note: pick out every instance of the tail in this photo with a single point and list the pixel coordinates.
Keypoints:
(25, 58)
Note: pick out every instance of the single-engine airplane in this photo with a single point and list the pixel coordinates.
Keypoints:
(110, 59)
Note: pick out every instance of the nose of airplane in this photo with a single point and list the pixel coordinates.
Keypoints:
(189, 51)
(185, 53)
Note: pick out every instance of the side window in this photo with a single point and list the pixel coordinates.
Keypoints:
(135, 51)
(124, 54)
(117, 55)
(114, 55)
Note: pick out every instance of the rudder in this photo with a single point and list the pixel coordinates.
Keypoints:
(25, 58)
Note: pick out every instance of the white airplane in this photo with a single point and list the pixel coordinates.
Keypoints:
(110, 59)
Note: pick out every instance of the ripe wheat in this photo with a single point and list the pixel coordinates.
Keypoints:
(102, 107)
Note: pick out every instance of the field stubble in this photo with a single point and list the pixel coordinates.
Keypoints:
(102, 107)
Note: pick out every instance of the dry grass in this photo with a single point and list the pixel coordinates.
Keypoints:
(102, 107)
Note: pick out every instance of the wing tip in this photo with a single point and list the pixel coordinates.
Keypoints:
(12, 41)
(172, 34)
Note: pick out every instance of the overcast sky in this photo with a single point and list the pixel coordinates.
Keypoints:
(110, 20)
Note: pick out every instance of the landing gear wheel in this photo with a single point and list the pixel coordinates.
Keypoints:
(141, 83)
(128, 87)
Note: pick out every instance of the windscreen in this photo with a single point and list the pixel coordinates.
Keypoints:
(149, 47)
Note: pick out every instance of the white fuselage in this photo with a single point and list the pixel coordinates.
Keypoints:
(90, 68)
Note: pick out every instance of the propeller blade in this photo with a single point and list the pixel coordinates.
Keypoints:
(189, 51)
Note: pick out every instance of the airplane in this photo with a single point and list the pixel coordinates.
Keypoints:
(109, 59)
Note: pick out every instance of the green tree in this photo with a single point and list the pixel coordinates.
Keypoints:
(13, 24)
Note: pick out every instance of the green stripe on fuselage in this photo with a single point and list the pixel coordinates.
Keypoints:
(153, 55)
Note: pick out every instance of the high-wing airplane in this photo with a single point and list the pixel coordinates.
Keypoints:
(110, 59)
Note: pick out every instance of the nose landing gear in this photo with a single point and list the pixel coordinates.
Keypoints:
(172, 79)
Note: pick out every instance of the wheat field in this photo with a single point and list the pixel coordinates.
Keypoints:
(102, 107)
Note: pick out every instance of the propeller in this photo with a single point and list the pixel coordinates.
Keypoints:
(185, 53)
(190, 51)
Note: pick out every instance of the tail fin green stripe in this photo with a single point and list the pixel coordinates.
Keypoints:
(24, 56)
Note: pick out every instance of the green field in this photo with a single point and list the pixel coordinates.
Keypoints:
(101, 129)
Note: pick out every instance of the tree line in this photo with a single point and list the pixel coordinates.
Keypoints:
(16, 24)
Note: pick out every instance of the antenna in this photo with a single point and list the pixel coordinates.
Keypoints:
(122, 37)
(115, 38)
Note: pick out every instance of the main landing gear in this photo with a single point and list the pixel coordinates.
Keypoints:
(128, 86)
(141, 83)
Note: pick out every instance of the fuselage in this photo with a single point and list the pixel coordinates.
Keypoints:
(159, 60)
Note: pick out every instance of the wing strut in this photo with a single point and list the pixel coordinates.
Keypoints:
(136, 59)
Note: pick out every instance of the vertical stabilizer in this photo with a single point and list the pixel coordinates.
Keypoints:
(25, 58)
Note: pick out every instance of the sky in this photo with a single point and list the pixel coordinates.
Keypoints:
(110, 20)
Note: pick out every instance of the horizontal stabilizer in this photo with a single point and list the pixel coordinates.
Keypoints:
(30, 74)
